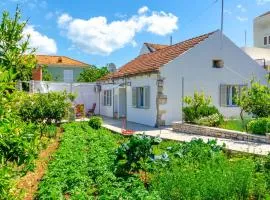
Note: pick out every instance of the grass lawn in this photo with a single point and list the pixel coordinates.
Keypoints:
(235, 124)
(85, 163)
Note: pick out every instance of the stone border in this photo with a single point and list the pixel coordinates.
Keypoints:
(218, 132)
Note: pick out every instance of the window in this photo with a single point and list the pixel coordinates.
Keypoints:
(218, 63)
(68, 76)
(265, 40)
(141, 97)
(107, 98)
(228, 94)
(269, 40)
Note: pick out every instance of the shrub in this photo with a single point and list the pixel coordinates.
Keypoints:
(259, 126)
(211, 120)
(95, 122)
(198, 107)
(44, 108)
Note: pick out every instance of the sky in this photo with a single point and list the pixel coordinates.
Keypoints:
(103, 31)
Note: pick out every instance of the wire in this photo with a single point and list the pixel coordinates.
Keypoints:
(201, 14)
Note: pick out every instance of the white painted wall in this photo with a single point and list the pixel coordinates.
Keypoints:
(258, 53)
(261, 28)
(106, 110)
(196, 67)
(139, 115)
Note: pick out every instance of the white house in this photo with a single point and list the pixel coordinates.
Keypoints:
(261, 36)
(149, 89)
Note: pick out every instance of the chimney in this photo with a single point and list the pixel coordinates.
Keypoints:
(60, 60)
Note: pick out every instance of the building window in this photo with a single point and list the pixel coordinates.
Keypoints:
(141, 97)
(265, 40)
(229, 94)
(68, 76)
(107, 98)
(269, 40)
(218, 63)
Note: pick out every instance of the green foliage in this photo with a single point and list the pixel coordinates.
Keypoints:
(135, 155)
(15, 54)
(95, 122)
(46, 75)
(199, 107)
(83, 168)
(255, 99)
(235, 124)
(46, 108)
(200, 170)
(259, 126)
(211, 120)
(92, 74)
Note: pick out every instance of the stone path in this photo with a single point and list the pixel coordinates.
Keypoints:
(168, 133)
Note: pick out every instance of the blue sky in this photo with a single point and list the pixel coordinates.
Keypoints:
(102, 31)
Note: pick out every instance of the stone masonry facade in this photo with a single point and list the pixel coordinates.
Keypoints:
(219, 133)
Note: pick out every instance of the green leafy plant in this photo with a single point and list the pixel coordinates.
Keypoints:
(92, 74)
(259, 126)
(211, 120)
(255, 100)
(95, 122)
(198, 106)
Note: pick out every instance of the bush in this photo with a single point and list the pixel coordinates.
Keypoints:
(259, 126)
(44, 108)
(198, 107)
(95, 122)
(211, 120)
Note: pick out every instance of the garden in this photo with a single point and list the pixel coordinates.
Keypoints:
(253, 102)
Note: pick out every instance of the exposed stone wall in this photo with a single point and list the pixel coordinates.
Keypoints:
(218, 132)
(161, 100)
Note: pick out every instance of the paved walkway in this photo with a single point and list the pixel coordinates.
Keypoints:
(168, 133)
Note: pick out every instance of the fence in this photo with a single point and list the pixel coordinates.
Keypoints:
(85, 93)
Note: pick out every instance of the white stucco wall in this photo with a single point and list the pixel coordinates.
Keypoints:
(196, 67)
(139, 115)
(261, 28)
(258, 53)
(105, 110)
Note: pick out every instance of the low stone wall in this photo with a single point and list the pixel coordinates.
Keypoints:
(218, 132)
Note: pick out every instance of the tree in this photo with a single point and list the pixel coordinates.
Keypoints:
(92, 74)
(255, 100)
(15, 54)
(46, 75)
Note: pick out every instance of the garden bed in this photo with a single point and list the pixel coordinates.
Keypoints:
(218, 132)
(84, 167)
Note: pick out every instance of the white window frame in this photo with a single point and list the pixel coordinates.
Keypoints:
(107, 98)
(68, 75)
(228, 96)
(141, 97)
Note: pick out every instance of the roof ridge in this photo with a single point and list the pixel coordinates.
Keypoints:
(153, 61)
(64, 57)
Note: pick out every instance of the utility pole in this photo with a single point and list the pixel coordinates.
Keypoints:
(245, 38)
(222, 22)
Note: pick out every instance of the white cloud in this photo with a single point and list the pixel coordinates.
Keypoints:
(42, 43)
(98, 36)
(242, 19)
(241, 8)
(64, 20)
(262, 2)
(143, 10)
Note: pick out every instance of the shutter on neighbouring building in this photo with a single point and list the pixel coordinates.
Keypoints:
(147, 96)
(223, 95)
(134, 97)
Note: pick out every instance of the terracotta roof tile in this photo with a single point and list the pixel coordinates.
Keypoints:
(59, 60)
(152, 62)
